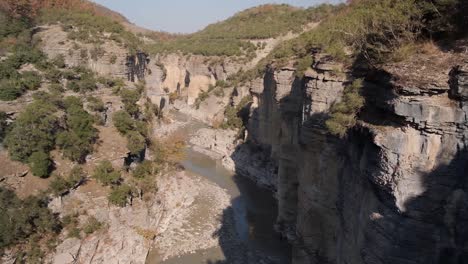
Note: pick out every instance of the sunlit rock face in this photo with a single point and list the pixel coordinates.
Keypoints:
(393, 190)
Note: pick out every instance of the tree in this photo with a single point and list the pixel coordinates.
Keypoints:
(20, 219)
(40, 164)
(130, 99)
(3, 125)
(105, 174)
(31, 80)
(120, 194)
(10, 90)
(135, 142)
(144, 169)
(60, 185)
(33, 131)
(77, 141)
(96, 104)
(123, 122)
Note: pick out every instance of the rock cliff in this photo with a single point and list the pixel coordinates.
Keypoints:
(394, 189)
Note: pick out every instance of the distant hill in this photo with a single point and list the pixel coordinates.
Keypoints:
(231, 37)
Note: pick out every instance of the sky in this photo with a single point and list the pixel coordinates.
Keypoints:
(187, 16)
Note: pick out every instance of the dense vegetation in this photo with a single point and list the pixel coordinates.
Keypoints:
(373, 30)
(34, 133)
(229, 38)
(365, 33)
(266, 21)
(23, 220)
(77, 140)
(37, 130)
(235, 116)
(134, 130)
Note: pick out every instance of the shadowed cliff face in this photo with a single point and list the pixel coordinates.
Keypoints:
(136, 66)
(392, 191)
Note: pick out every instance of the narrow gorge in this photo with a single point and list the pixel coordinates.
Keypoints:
(331, 134)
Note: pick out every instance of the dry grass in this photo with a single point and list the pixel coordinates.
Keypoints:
(170, 150)
(429, 48)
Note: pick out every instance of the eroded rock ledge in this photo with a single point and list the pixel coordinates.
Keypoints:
(394, 190)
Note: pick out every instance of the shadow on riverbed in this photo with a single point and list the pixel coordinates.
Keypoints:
(247, 232)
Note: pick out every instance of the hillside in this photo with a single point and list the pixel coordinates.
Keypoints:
(231, 37)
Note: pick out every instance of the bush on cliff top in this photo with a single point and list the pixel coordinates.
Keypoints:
(343, 114)
(374, 29)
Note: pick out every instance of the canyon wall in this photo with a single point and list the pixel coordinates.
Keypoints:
(394, 189)
(186, 75)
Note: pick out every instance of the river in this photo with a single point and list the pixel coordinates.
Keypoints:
(253, 211)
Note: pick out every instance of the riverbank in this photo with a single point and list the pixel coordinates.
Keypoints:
(245, 230)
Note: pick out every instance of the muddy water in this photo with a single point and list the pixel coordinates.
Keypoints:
(252, 216)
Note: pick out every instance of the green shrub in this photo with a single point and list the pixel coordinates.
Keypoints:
(21, 219)
(74, 232)
(81, 80)
(135, 142)
(120, 194)
(40, 164)
(33, 131)
(31, 80)
(123, 122)
(56, 88)
(232, 120)
(59, 61)
(95, 104)
(76, 176)
(218, 92)
(77, 140)
(130, 99)
(53, 75)
(145, 169)
(59, 186)
(92, 225)
(10, 90)
(303, 64)
(3, 125)
(233, 115)
(343, 114)
(106, 174)
(173, 97)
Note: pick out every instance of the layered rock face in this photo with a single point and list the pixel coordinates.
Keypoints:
(392, 191)
(186, 75)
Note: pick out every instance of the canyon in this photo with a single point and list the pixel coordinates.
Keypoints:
(281, 188)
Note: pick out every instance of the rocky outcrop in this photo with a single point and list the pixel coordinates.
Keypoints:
(393, 190)
(180, 219)
(185, 75)
(108, 59)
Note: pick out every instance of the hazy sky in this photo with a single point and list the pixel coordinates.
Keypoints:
(184, 16)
